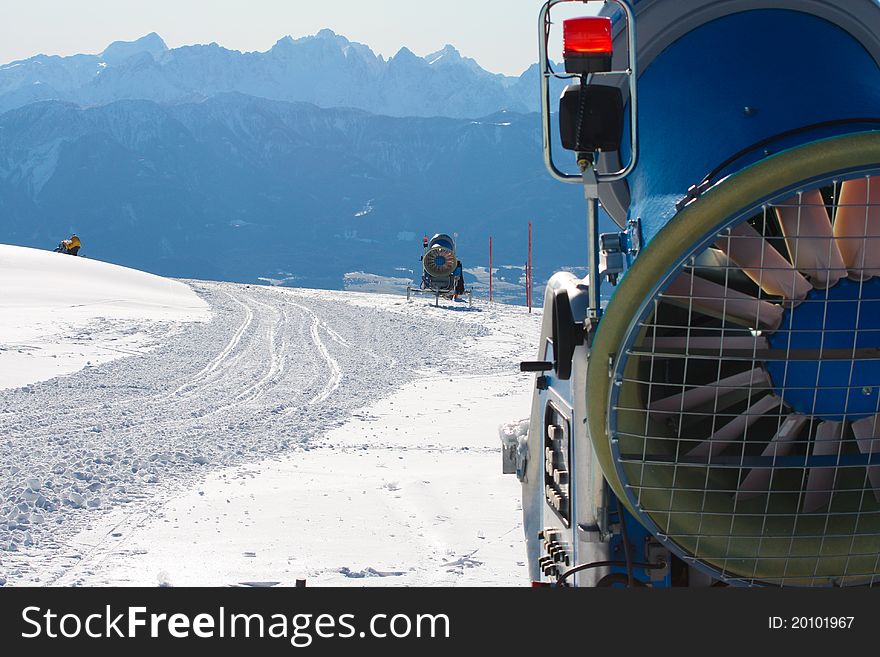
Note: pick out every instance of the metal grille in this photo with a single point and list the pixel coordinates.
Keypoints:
(748, 416)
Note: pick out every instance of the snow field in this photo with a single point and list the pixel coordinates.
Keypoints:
(90, 459)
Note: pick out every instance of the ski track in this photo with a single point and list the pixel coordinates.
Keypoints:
(117, 439)
(333, 365)
(224, 353)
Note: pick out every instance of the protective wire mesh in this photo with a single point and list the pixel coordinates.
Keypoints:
(748, 417)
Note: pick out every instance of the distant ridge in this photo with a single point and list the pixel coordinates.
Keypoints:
(242, 188)
(325, 69)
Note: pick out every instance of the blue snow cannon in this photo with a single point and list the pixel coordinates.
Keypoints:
(442, 272)
(707, 400)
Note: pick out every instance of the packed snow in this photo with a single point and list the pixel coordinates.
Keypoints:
(253, 435)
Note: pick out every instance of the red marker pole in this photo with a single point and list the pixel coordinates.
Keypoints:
(490, 269)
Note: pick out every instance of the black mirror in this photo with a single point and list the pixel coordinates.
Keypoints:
(567, 334)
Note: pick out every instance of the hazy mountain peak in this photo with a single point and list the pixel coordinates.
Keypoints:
(324, 68)
(450, 56)
(324, 37)
(284, 42)
(448, 52)
(119, 51)
(405, 55)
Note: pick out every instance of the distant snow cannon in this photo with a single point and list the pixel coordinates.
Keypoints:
(439, 260)
(442, 273)
(707, 405)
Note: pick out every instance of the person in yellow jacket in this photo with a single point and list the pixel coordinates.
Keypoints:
(70, 245)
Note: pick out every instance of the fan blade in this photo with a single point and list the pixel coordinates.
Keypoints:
(703, 347)
(755, 379)
(736, 428)
(716, 266)
(857, 227)
(746, 247)
(820, 480)
(867, 431)
(688, 291)
(757, 482)
(808, 235)
(706, 343)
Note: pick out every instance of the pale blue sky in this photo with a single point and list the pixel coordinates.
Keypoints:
(499, 34)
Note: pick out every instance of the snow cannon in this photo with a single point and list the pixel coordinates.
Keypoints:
(442, 273)
(707, 400)
(439, 260)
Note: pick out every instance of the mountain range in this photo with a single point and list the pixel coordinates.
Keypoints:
(238, 187)
(325, 69)
(296, 166)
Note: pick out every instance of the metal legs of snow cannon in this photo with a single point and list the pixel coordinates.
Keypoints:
(410, 291)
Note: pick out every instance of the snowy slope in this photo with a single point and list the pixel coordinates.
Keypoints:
(342, 437)
(59, 313)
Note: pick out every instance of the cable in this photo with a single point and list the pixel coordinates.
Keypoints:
(782, 135)
(695, 191)
(618, 578)
(600, 564)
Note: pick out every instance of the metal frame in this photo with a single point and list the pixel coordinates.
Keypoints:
(631, 72)
(589, 178)
(418, 290)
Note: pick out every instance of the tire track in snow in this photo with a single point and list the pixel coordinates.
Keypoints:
(224, 380)
(276, 356)
(221, 386)
(333, 365)
(213, 375)
(193, 382)
(218, 360)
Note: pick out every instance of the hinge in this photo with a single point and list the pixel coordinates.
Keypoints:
(611, 250)
(634, 236)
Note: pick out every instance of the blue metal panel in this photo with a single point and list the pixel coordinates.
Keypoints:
(830, 389)
(791, 69)
(443, 240)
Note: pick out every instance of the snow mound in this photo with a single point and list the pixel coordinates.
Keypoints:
(35, 279)
(60, 313)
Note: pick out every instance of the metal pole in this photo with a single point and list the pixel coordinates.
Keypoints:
(529, 271)
(490, 269)
(594, 310)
